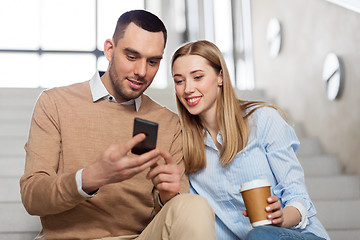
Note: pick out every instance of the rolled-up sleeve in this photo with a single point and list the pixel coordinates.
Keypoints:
(281, 145)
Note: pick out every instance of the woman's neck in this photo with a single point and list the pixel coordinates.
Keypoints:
(212, 127)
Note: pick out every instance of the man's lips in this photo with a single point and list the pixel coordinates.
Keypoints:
(135, 84)
(192, 101)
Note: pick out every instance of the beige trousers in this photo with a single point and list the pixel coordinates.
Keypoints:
(185, 217)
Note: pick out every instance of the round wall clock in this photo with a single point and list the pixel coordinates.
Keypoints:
(332, 76)
(274, 37)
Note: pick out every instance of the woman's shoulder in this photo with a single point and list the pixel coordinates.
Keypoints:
(264, 112)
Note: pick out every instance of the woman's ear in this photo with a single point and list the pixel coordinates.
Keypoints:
(220, 78)
(109, 49)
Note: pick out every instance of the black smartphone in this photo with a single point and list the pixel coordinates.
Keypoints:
(150, 129)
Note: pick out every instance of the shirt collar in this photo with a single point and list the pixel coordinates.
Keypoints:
(99, 91)
(209, 142)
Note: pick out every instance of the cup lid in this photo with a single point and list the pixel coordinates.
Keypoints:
(254, 184)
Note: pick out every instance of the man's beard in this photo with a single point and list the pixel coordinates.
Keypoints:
(116, 81)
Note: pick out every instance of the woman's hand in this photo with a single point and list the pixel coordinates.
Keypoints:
(287, 217)
(276, 214)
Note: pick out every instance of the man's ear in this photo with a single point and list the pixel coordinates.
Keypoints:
(109, 49)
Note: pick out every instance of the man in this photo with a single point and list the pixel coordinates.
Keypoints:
(81, 181)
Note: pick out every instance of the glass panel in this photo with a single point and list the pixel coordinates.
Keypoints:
(223, 25)
(209, 20)
(192, 9)
(102, 64)
(245, 66)
(108, 13)
(180, 21)
(68, 25)
(19, 24)
(19, 70)
(64, 69)
(224, 33)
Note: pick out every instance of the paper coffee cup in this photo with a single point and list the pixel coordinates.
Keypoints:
(255, 194)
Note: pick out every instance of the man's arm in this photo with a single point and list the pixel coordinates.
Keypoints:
(115, 165)
(42, 190)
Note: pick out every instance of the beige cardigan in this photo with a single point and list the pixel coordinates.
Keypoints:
(68, 132)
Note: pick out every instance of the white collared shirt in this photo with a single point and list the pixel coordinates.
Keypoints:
(98, 91)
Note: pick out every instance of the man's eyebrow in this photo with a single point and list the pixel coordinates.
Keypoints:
(134, 52)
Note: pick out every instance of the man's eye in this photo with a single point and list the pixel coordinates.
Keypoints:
(153, 62)
(131, 57)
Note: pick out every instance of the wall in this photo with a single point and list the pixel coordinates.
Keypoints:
(312, 29)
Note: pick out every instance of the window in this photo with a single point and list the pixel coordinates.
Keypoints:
(48, 43)
(227, 24)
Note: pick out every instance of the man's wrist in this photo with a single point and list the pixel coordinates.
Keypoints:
(161, 204)
(80, 185)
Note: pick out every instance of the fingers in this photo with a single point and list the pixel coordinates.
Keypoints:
(131, 143)
(274, 210)
(165, 177)
(272, 199)
(245, 213)
(167, 157)
(157, 171)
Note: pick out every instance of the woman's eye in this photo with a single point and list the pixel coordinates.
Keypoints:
(178, 81)
(198, 77)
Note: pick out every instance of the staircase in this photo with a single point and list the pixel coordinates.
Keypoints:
(336, 195)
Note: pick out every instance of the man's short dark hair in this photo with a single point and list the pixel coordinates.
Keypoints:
(142, 19)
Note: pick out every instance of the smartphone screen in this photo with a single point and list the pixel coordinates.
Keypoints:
(150, 129)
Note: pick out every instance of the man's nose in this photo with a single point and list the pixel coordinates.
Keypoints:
(140, 68)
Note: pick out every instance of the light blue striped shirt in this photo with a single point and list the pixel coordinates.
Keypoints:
(270, 154)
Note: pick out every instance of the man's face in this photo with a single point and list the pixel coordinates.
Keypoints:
(134, 62)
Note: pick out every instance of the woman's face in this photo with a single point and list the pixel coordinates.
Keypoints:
(196, 85)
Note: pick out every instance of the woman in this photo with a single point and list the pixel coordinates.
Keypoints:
(228, 142)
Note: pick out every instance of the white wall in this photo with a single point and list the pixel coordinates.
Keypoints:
(312, 29)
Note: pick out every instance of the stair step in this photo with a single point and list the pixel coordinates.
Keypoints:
(14, 128)
(12, 166)
(15, 219)
(344, 235)
(251, 95)
(165, 97)
(324, 165)
(13, 146)
(18, 96)
(299, 130)
(340, 187)
(18, 236)
(310, 147)
(10, 190)
(15, 114)
(339, 215)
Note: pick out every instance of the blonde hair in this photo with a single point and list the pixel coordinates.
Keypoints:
(231, 112)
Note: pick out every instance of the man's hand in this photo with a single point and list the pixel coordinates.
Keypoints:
(165, 177)
(114, 165)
